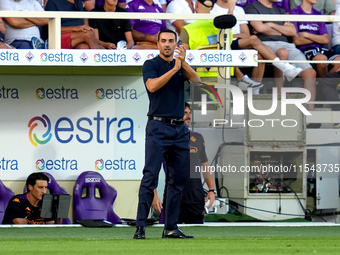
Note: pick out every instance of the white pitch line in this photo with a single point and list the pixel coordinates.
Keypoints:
(207, 224)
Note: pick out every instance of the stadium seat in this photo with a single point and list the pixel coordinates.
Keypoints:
(93, 198)
(5, 195)
(54, 188)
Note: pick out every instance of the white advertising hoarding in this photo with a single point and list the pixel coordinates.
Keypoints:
(67, 125)
(122, 57)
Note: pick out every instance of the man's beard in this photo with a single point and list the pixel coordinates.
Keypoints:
(168, 54)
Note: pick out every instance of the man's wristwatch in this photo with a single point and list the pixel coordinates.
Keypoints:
(212, 190)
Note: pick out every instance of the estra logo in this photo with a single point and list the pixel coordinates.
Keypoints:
(118, 93)
(57, 93)
(214, 57)
(99, 165)
(100, 94)
(117, 164)
(59, 57)
(9, 164)
(45, 137)
(56, 164)
(9, 93)
(40, 164)
(83, 130)
(109, 58)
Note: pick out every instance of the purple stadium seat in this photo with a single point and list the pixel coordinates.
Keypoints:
(93, 198)
(54, 188)
(5, 195)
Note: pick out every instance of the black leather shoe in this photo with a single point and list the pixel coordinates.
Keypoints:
(140, 233)
(176, 233)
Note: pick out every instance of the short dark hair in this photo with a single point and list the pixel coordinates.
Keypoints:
(167, 31)
(187, 105)
(32, 178)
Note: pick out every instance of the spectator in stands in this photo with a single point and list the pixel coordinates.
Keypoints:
(25, 208)
(244, 82)
(284, 4)
(200, 32)
(89, 5)
(20, 31)
(111, 31)
(2, 31)
(243, 40)
(145, 31)
(163, 4)
(274, 35)
(42, 3)
(243, 3)
(2, 27)
(312, 36)
(203, 33)
(179, 7)
(336, 32)
(75, 33)
(326, 7)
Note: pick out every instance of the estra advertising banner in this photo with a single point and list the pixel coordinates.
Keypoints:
(67, 125)
(122, 57)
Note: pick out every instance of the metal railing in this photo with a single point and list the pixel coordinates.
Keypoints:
(55, 19)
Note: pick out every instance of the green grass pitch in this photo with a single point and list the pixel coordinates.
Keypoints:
(208, 240)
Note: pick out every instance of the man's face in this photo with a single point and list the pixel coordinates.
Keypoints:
(111, 2)
(200, 8)
(39, 189)
(187, 116)
(167, 44)
(312, 2)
